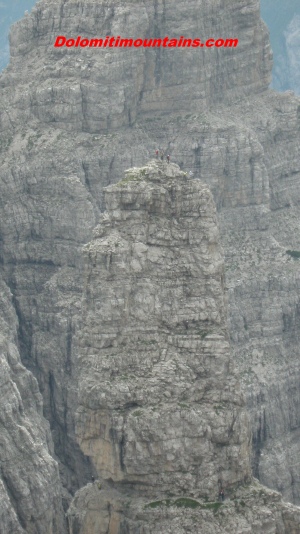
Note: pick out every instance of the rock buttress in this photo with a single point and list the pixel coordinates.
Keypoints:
(160, 406)
(160, 409)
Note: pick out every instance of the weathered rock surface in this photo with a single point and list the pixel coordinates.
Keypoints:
(154, 346)
(71, 121)
(30, 488)
(251, 509)
(160, 410)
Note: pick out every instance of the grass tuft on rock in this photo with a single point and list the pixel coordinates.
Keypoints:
(293, 253)
(185, 502)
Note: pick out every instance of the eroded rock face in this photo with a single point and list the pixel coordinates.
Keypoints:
(250, 509)
(262, 280)
(30, 488)
(160, 408)
(146, 81)
(71, 129)
(72, 121)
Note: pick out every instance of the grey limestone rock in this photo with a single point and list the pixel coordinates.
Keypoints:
(71, 122)
(30, 488)
(251, 509)
(160, 408)
(159, 405)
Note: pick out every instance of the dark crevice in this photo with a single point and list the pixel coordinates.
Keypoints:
(258, 439)
(68, 362)
(85, 168)
(122, 452)
(24, 334)
(51, 382)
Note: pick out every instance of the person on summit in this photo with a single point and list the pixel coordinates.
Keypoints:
(168, 158)
(157, 153)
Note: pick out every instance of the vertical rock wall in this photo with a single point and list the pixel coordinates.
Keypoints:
(30, 488)
(160, 408)
(71, 121)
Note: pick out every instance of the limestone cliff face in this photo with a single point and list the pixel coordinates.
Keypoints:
(263, 285)
(72, 121)
(30, 488)
(159, 407)
(76, 94)
(160, 410)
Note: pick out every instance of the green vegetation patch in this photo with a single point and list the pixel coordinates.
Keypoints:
(183, 405)
(32, 140)
(293, 253)
(137, 413)
(148, 341)
(5, 143)
(157, 504)
(203, 334)
(219, 408)
(185, 502)
(135, 176)
(129, 178)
